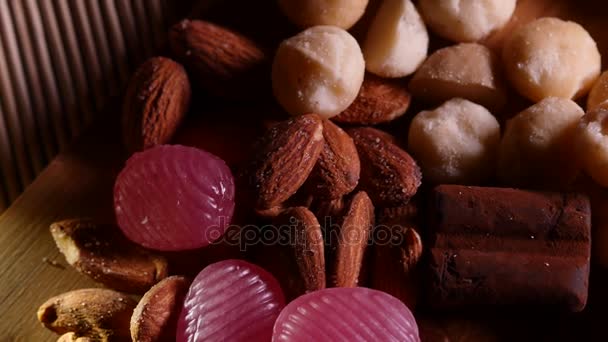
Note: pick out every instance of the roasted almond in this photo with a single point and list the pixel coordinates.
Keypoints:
(103, 253)
(222, 61)
(99, 314)
(156, 101)
(155, 317)
(308, 244)
(337, 170)
(284, 159)
(388, 174)
(353, 237)
(380, 100)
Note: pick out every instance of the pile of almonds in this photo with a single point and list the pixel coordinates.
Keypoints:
(326, 171)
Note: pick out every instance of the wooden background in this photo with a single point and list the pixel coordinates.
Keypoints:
(79, 183)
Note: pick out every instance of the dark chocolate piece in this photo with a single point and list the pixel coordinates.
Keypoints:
(496, 246)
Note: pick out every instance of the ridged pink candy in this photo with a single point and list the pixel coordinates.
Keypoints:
(231, 300)
(174, 197)
(346, 314)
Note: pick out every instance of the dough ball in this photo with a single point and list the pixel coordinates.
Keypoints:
(598, 96)
(537, 145)
(551, 57)
(466, 20)
(320, 71)
(307, 13)
(592, 136)
(468, 70)
(397, 41)
(455, 143)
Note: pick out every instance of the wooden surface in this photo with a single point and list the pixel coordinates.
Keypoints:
(79, 183)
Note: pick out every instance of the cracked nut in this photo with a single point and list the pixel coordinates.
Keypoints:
(103, 253)
(98, 314)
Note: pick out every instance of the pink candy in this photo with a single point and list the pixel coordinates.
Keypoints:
(346, 314)
(173, 198)
(230, 300)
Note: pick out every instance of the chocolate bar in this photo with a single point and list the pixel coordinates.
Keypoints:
(508, 247)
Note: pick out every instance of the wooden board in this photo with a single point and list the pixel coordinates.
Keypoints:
(79, 183)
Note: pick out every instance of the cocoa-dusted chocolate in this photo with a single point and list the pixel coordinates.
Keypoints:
(498, 246)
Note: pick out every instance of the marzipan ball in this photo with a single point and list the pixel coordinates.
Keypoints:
(307, 13)
(598, 96)
(537, 146)
(397, 41)
(592, 136)
(468, 70)
(320, 71)
(551, 57)
(455, 143)
(466, 20)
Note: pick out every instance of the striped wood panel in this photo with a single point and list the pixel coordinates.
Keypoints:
(60, 60)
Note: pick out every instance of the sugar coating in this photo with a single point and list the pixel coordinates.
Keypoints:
(598, 96)
(536, 149)
(307, 13)
(455, 143)
(467, 70)
(551, 57)
(320, 71)
(466, 20)
(592, 142)
(397, 40)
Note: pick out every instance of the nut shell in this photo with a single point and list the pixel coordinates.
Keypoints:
(103, 253)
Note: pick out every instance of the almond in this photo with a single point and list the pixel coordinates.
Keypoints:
(284, 159)
(337, 170)
(353, 238)
(388, 174)
(155, 317)
(103, 253)
(99, 314)
(222, 61)
(156, 101)
(308, 244)
(380, 100)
